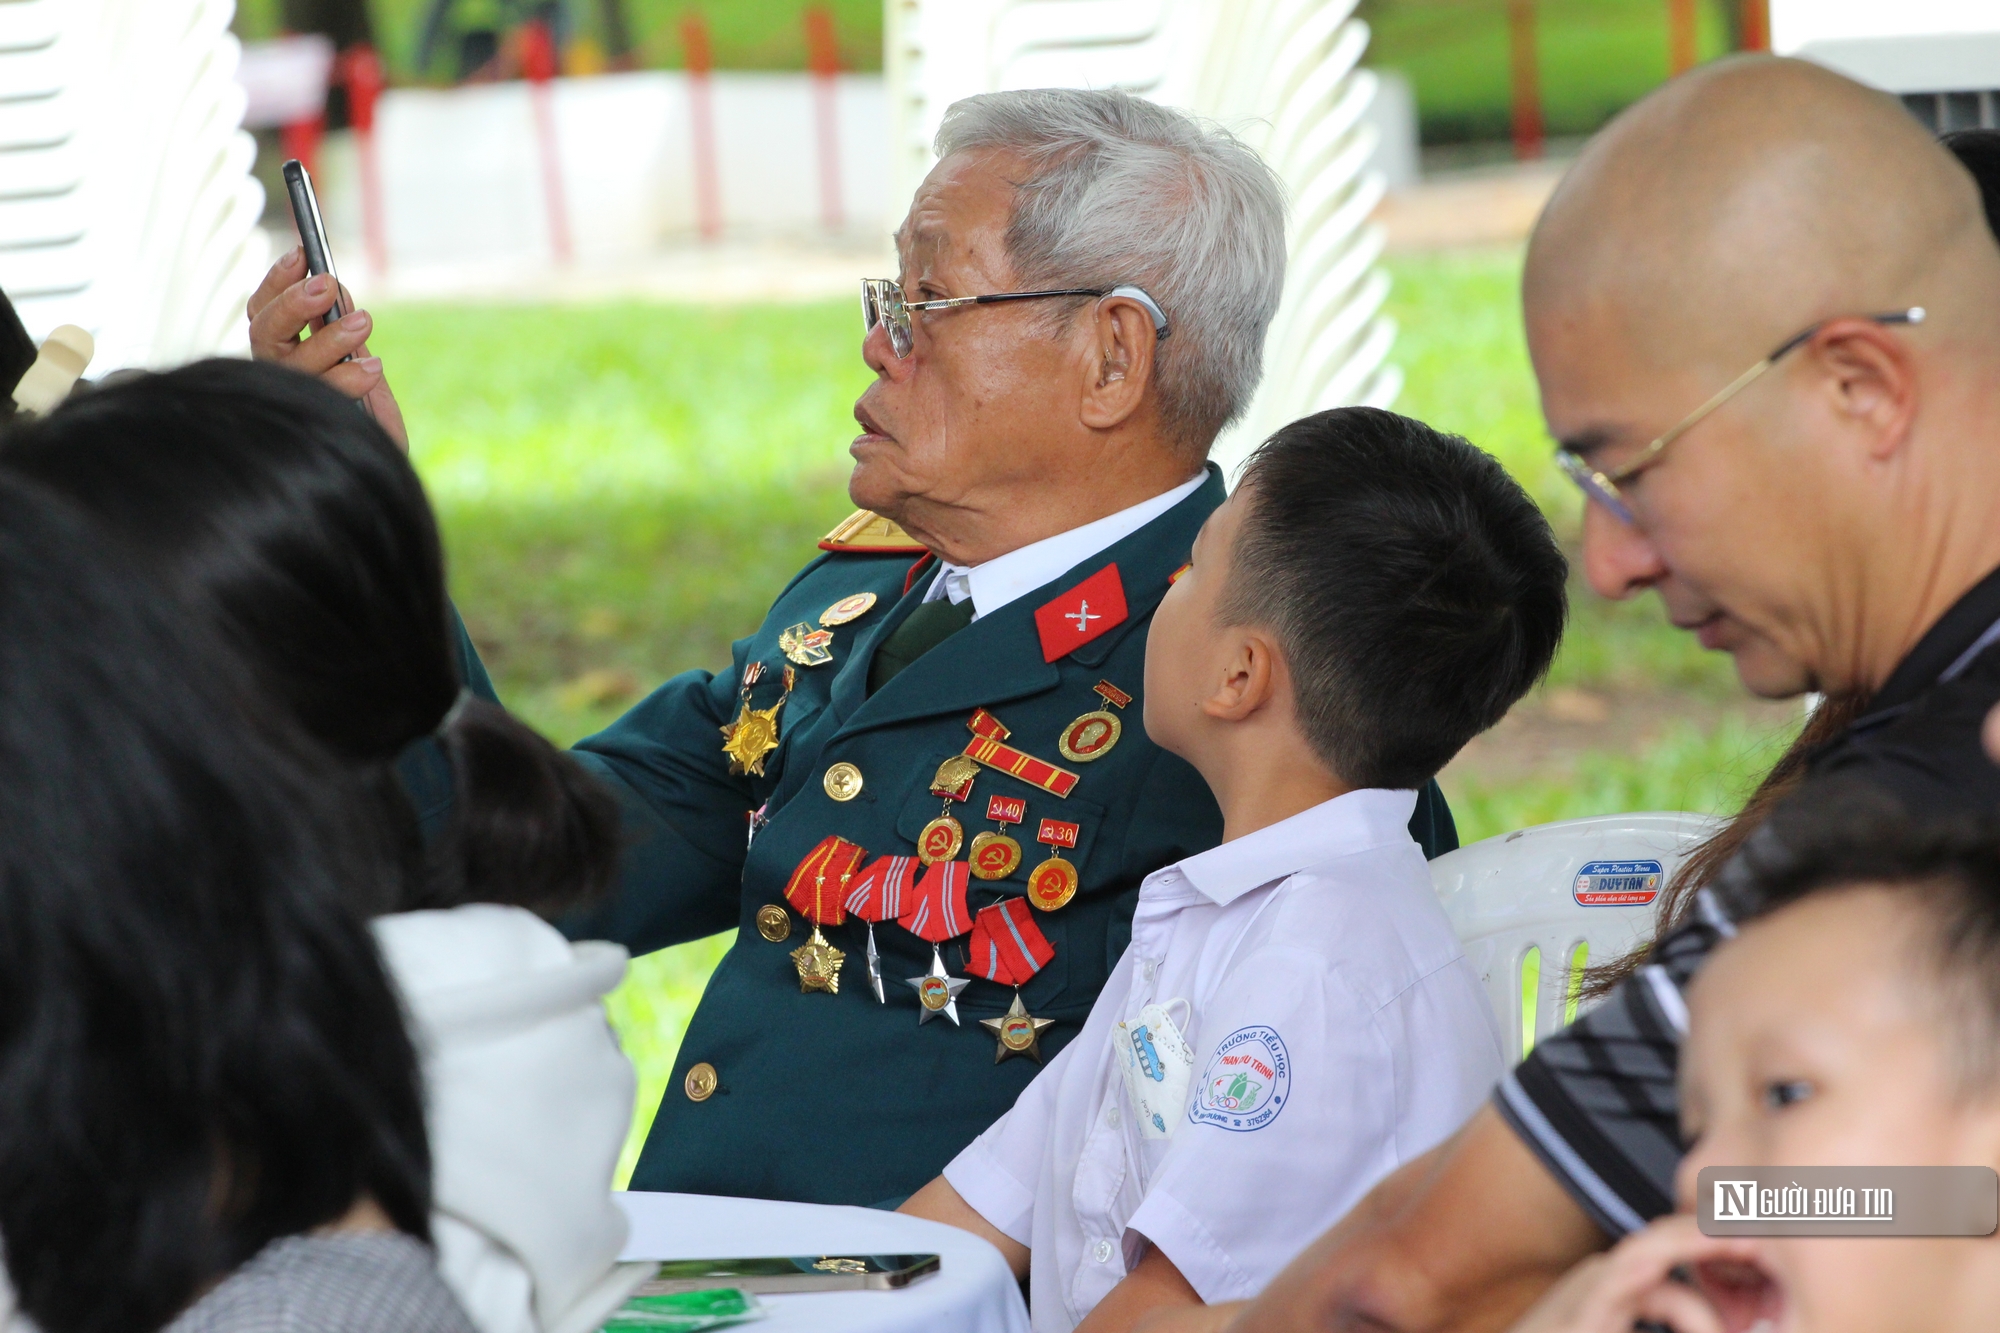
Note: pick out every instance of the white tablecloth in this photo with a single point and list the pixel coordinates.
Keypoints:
(972, 1292)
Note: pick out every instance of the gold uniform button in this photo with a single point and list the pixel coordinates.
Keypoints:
(774, 923)
(843, 781)
(700, 1082)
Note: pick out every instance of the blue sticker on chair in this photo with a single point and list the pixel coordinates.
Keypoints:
(1617, 883)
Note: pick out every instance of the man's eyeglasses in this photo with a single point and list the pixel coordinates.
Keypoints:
(882, 303)
(1603, 487)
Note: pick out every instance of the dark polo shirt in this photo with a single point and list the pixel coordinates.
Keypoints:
(1597, 1102)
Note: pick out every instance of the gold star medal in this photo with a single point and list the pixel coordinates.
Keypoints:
(995, 855)
(807, 646)
(817, 890)
(819, 964)
(1020, 1032)
(1092, 735)
(943, 836)
(754, 733)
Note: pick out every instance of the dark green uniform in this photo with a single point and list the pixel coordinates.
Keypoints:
(839, 1098)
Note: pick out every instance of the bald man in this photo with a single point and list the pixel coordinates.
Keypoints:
(1764, 311)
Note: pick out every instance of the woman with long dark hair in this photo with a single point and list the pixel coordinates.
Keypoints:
(286, 522)
(212, 1111)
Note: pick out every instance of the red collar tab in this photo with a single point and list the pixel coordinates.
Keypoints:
(1087, 611)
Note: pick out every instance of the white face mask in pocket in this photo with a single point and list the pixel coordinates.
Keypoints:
(1158, 1063)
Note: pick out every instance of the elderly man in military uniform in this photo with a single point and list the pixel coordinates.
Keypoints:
(921, 793)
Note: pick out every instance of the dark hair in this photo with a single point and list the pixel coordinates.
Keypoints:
(1979, 152)
(1850, 835)
(1415, 589)
(199, 1049)
(288, 521)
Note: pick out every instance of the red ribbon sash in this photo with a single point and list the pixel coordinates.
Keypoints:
(883, 891)
(817, 890)
(1006, 945)
(939, 912)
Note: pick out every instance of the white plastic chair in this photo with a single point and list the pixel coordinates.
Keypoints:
(1534, 908)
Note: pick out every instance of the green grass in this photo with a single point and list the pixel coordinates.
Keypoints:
(744, 34)
(624, 488)
(1595, 57)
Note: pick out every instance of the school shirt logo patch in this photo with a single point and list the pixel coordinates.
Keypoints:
(1246, 1084)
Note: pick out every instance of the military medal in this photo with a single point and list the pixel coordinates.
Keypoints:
(1092, 735)
(1007, 947)
(807, 646)
(847, 608)
(754, 733)
(817, 890)
(995, 855)
(882, 892)
(1054, 881)
(938, 913)
(987, 734)
(943, 836)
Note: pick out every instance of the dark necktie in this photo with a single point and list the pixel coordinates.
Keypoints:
(922, 630)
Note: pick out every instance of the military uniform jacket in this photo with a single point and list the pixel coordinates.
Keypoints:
(836, 1098)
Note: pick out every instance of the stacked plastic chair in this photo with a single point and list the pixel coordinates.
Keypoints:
(127, 206)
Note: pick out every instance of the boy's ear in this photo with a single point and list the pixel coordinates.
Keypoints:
(1252, 675)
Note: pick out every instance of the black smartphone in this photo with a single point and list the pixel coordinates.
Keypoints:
(312, 232)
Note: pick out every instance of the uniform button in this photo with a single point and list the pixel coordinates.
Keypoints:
(700, 1082)
(1102, 1252)
(774, 923)
(842, 781)
(1149, 968)
(1111, 1116)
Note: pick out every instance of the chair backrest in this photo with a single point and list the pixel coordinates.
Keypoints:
(1534, 908)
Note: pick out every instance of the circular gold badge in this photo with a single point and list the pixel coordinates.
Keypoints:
(994, 855)
(1017, 1034)
(940, 840)
(842, 781)
(1090, 736)
(774, 923)
(933, 993)
(699, 1085)
(1053, 884)
(847, 608)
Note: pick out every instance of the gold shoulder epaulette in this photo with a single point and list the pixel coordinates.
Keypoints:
(865, 532)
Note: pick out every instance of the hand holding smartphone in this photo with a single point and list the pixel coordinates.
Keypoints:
(312, 240)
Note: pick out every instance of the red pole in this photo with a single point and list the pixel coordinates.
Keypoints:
(538, 61)
(701, 119)
(301, 139)
(1525, 72)
(361, 70)
(1756, 25)
(1680, 36)
(823, 59)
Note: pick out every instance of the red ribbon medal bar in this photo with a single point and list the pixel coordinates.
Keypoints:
(1054, 881)
(987, 734)
(1093, 607)
(938, 914)
(818, 891)
(1008, 947)
(882, 892)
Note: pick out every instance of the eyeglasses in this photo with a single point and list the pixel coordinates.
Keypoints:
(1603, 487)
(882, 303)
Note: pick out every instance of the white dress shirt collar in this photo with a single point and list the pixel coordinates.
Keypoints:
(1370, 817)
(1005, 578)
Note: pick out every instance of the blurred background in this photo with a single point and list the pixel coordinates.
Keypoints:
(611, 248)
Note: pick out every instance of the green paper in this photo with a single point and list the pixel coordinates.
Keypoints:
(686, 1311)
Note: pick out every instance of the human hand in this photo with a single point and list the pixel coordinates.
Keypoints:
(1636, 1281)
(281, 309)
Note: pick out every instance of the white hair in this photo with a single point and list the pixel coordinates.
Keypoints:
(1122, 190)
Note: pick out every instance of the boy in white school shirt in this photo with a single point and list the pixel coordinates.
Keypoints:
(1293, 1018)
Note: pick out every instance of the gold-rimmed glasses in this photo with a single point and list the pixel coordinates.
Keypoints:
(882, 303)
(1604, 487)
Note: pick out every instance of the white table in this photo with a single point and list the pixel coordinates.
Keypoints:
(972, 1291)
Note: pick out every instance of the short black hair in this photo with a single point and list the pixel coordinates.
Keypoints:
(1415, 589)
(200, 1050)
(1839, 833)
(291, 525)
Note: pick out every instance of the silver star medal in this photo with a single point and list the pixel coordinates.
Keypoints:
(937, 992)
(875, 967)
